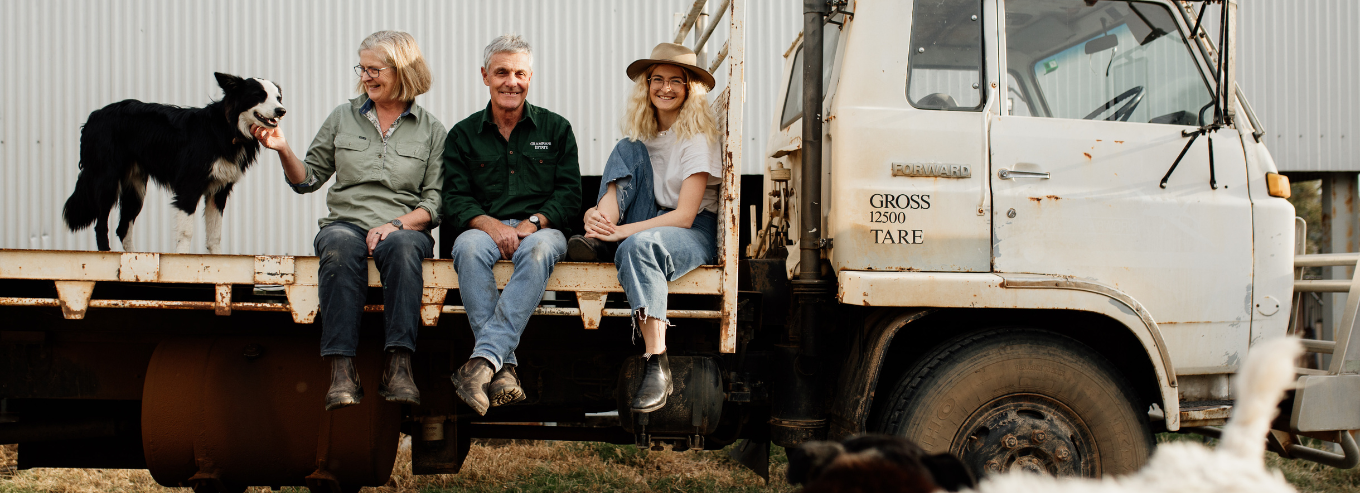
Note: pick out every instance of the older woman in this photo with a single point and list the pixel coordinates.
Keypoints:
(658, 199)
(385, 152)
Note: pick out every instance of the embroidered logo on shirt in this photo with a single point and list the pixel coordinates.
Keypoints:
(540, 146)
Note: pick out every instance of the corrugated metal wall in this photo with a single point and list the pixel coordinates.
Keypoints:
(1300, 65)
(68, 58)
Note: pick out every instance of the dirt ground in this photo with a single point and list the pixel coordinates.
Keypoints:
(533, 466)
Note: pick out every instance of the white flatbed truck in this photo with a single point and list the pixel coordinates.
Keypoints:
(1014, 242)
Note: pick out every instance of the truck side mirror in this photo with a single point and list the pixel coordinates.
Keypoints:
(1106, 42)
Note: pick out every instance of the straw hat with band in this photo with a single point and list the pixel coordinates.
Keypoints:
(673, 54)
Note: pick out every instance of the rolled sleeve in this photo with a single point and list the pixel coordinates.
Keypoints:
(565, 202)
(432, 185)
(320, 160)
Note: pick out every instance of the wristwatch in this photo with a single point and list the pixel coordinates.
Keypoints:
(397, 223)
(534, 220)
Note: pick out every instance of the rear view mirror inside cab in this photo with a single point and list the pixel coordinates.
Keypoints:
(1102, 43)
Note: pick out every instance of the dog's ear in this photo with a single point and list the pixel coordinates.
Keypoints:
(949, 472)
(227, 81)
(807, 461)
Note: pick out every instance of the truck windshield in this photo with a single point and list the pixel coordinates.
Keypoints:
(1124, 61)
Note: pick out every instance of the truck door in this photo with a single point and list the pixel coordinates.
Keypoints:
(1096, 100)
(907, 174)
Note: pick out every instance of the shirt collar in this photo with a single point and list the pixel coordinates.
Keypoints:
(366, 105)
(530, 114)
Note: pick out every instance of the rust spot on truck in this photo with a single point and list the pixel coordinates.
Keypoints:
(1053, 197)
(1037, 199)
(1119, 142)
(1087, 154)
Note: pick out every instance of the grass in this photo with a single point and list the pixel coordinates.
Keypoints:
(533, 466)
(492, 466)
(1307, 477)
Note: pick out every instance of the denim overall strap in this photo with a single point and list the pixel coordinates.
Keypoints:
(630, 169)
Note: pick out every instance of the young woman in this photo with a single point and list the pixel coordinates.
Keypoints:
(658, 199)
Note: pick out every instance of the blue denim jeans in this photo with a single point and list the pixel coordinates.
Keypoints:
(343, 284)
(498, 318)
(648, 260)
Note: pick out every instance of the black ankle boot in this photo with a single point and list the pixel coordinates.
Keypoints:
(582, 249)
(396, 385)
(656, 385)
(345, 387)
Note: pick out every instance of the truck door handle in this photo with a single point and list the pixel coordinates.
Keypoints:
(1006, 174)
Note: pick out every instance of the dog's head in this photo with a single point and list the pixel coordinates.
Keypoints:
(875, 463)
(251, 102)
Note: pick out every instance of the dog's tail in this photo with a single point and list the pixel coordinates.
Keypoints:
(97, 185)
(80, 211)
(84, 204)
(1259, 386)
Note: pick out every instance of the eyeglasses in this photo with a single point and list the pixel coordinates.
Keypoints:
(674, 83)
(373, 73)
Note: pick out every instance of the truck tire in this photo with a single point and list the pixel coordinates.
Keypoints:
(1019, 398)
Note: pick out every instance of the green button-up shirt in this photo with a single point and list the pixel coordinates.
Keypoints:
(535, 172)
(376, 179)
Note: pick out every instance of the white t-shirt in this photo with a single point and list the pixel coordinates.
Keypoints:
(673, 160)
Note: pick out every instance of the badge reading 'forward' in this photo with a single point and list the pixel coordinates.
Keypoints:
(932, 169)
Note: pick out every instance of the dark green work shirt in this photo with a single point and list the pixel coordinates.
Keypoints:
(536, 171)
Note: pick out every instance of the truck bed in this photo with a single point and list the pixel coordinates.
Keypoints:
(75, 274)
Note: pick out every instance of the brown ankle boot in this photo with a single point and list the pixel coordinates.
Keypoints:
(396, 384)
(471, 381)
(345, 387)
(505, 388)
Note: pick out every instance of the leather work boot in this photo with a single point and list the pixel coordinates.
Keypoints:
(582, 249)
(656, 385)
(505, 388)
(471, 381)
(345, 388)
(396, 384)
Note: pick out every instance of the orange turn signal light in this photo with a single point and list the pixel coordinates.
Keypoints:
(1278, 185)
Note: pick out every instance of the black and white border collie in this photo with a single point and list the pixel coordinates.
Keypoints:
(193, 152)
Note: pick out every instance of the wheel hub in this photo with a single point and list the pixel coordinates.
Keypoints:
(1027, 432)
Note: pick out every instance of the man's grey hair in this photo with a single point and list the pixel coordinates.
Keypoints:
(507, 43)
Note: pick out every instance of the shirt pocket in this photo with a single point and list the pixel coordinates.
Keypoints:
(406, 165)
(541, 170)
(351, 158)
(487, 173)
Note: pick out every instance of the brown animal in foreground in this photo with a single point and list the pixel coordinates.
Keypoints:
(874, 463)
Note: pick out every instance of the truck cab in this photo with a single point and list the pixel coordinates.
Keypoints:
(1081, 178)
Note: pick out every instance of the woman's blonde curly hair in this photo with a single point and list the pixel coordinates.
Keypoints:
(696, 118)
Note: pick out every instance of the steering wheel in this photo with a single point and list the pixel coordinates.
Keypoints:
(1134, 96)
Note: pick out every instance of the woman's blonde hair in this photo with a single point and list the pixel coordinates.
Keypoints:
(400, 51)
(696, 118)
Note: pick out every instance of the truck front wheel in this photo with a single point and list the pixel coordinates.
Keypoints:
(1018, 398)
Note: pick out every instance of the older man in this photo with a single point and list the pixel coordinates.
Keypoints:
(511, 178)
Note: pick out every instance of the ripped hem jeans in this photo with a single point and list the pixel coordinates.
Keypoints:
(650, 259)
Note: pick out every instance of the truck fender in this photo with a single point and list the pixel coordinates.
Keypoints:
(922, 291)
